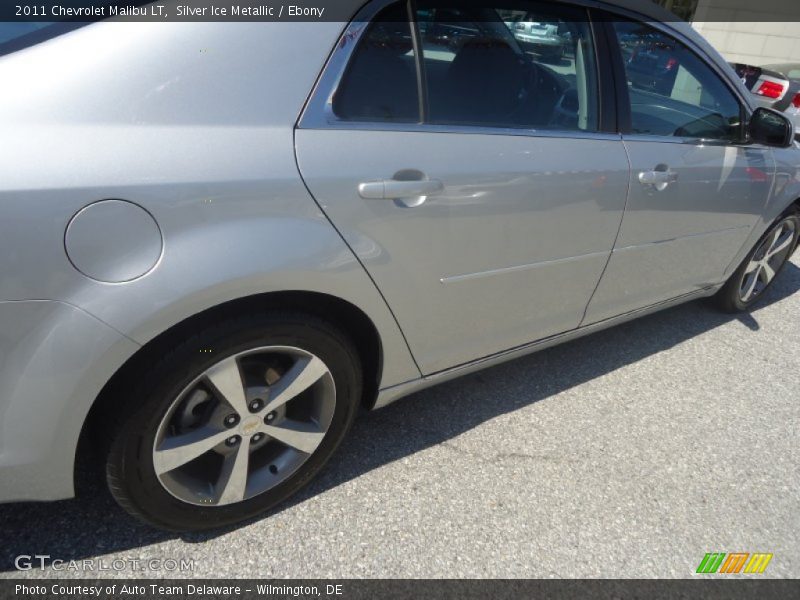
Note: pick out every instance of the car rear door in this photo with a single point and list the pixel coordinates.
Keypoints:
(697, 189)
(476, 185)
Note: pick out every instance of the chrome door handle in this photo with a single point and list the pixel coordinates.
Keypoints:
(393, 189)
(658, 178)
(655, 177)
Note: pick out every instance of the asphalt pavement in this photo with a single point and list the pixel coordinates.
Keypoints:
(629, 453)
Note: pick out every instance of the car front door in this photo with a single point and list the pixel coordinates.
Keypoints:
(696, 189)
(472, 178)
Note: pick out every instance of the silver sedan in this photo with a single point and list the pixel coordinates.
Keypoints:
(220, 241)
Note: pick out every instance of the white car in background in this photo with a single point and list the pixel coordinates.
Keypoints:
(775, 86)
(548, 40)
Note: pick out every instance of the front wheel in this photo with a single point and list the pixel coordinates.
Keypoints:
(759, 269)
(232, 421)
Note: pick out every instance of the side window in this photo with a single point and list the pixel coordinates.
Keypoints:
(672, 91)
(380, 82)
(508, 64)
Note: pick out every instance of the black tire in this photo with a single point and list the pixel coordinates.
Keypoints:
(132, 421)
(730, 298)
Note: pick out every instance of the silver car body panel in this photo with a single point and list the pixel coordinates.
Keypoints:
(483, 265)
(195, 124)
(165, 137)
(220, 181)
(709, 210)
(389, 395)
(54, 360)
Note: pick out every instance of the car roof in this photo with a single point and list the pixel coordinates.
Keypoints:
(650, 11)
(646, 8)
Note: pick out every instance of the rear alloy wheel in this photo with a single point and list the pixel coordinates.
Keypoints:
(762, 265)
(244, 425)
(219, 438)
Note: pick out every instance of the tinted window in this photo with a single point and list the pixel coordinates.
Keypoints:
(494, 64)
(380, 82)
(672, 91)
(508, 64)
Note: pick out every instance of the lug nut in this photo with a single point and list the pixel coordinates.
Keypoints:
(256, 405)
(231, 420)
(232, 441)
(257, 438)
(270, 417)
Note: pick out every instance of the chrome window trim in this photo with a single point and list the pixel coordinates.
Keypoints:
(318, 112)
(649, 137)
(643, 137)
(461, 129)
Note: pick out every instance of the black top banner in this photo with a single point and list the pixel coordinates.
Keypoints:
(169, 10)
(32, 11)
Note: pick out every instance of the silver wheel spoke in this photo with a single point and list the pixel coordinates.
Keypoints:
(302, 436)
(227, 379)
(233, 480)
(303, 374)
(750, 285)
(206, 456)
(181, 449)
(768, 272)
(781, 244)
(773, 238)
(754, 264)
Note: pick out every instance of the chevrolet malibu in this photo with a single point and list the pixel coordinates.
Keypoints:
(221, 240)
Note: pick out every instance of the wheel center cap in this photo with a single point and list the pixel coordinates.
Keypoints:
(251, 425)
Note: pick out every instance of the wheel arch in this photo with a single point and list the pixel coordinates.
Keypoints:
(352, 319)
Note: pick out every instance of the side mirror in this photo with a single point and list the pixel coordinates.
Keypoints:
(771, 128)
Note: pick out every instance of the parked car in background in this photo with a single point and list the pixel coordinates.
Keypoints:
(444, 28)
(207, 274)
(775, 86)
(549, 40)
(651, 60)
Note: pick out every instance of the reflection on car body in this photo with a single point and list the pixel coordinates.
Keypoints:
(550, 40)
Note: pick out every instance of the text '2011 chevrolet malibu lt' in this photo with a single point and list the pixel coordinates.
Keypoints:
(219, 241)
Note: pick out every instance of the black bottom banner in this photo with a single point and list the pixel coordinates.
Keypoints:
(387, 589)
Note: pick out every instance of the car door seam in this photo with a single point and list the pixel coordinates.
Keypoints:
(619, 231)
(352, 251)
